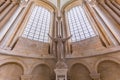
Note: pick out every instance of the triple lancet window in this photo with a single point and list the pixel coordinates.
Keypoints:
(38, 25)
(80, 27)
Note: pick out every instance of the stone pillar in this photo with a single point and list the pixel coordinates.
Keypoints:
(61, 74)
(9, 25)
(113, 7)
(26, 77)
(2, 2)
(117, 1)
(109, 26)
(95, 76)
(116, 4)
(5, 5)
(112, 13)
(6, 11)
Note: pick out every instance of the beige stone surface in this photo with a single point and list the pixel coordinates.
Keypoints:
(29, 47)
(90, 59)
(87, 47)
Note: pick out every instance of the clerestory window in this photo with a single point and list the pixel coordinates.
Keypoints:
(38, 25)
(80, 26)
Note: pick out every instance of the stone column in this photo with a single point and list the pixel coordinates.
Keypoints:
(112, 13)
(2, 2)
(20, 26)
(113, 7)
(5, 5)
(5, 19)
(117, 1)
(109, 26)
(6, 11)
(116, 4)
(95, 76)
(9, 27)
(26, 77)
(61, 74)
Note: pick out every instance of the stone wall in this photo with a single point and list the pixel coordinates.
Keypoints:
(104, 66)
(88, 46)
(31, 47)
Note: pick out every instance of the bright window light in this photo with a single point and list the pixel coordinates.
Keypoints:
(38, 25)
(80, 27)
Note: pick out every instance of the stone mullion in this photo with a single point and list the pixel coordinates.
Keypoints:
(54, 34)
(67, 33)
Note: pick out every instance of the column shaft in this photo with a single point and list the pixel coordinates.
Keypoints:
(11, 24)
(111, 24)
(2, 2)
(103, 17)
(3, 22)
(6, 11)
(113, 7)
(92, 15)
(112, 13)
(116, 4)
(5, 5)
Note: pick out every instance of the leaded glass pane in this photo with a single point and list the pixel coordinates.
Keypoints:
(80, 27)
(38, 25)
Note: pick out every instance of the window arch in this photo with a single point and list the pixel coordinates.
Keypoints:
(38, 25)
(80, 26)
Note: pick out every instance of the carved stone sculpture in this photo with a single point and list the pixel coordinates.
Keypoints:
(60, 46)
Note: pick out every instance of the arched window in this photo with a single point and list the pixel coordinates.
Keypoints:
(79, 25)
(38, 25)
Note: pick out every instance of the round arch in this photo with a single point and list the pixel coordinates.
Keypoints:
(37, 64)
(106, 59)
(79, 71)
(16, 61)
(41, 71)
(82, 63)
(70, 4)
(50, 4)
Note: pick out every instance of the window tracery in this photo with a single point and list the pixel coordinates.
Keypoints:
(38, 25)
(80, 26)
